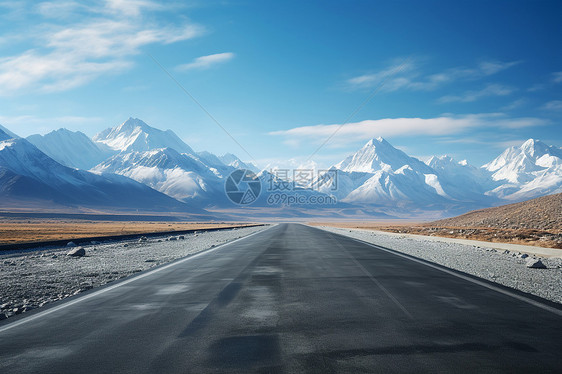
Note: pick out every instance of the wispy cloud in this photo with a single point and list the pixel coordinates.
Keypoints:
(557, 77)
(438, 126)
(205, 62)
(412, 77)
(553, 105)
(99, 40)
(514, 105)
(470, 96)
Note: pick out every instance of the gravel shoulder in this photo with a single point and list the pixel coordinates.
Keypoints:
(33, 278)
(502, 266)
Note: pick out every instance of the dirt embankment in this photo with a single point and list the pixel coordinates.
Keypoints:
(535, 222)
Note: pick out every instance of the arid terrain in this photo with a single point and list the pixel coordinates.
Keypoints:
(535, 222)
(20, 230)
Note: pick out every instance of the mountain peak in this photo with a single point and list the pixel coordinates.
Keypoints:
(377, 141)
(133, 123)
(135, 135)
(534, 147)
(378, 154)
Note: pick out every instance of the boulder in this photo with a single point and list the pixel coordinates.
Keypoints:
(524, 255)
(77, 252)
(535, 263)
(71, 244)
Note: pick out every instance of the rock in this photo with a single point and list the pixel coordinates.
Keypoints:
(524, 255)
(54, 256)
(173, 238)
(143, 239)
(77, 252)
(535, 263)
(181, 237)
(71, 244)
(3, 316)
(125, 245)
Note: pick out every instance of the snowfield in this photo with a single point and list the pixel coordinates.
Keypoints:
(31, 279)
(508, 269)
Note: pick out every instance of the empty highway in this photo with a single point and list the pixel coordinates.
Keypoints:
(290, 299)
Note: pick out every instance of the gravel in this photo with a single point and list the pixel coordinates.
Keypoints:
(31, 279)
(504, 267)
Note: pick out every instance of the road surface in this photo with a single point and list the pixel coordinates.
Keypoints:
(290, 299)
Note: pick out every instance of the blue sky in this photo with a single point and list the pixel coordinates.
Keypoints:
(465, 78)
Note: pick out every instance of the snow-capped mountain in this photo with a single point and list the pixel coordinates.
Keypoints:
(377, 175)
(181, 176)
(72, 149)
(134, 135)
(377, 155)
(460, 180)
(233, 161)
(528, 171)
(380, 174)
(27, 174)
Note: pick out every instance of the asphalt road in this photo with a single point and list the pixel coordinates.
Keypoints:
(289, 299)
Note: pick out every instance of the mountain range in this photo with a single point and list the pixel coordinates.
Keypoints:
(162, 171)
(28, 177)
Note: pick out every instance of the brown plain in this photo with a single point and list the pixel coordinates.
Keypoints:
(37, 230)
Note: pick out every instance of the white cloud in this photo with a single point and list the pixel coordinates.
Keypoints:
(557, 77)
(514, 105)
(553, 105)
(360, 131)
(469, 96)
(205, 62)
(493, 67)
(99, 40)
(410, 76)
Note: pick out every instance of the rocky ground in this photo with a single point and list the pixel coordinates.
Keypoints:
(31, 279)
(503, 267)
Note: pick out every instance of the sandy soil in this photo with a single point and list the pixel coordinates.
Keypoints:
(14, 230)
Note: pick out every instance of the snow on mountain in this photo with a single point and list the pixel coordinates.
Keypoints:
(531, 170)
(377, 155)
(134, 135)
(380, 174)
(27, 174)
(233, 161)
(181, 176)
(460, 180)
(402, 186)
(72, 149)
(8, 132)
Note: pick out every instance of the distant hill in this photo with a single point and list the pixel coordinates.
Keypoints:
(543, 213)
